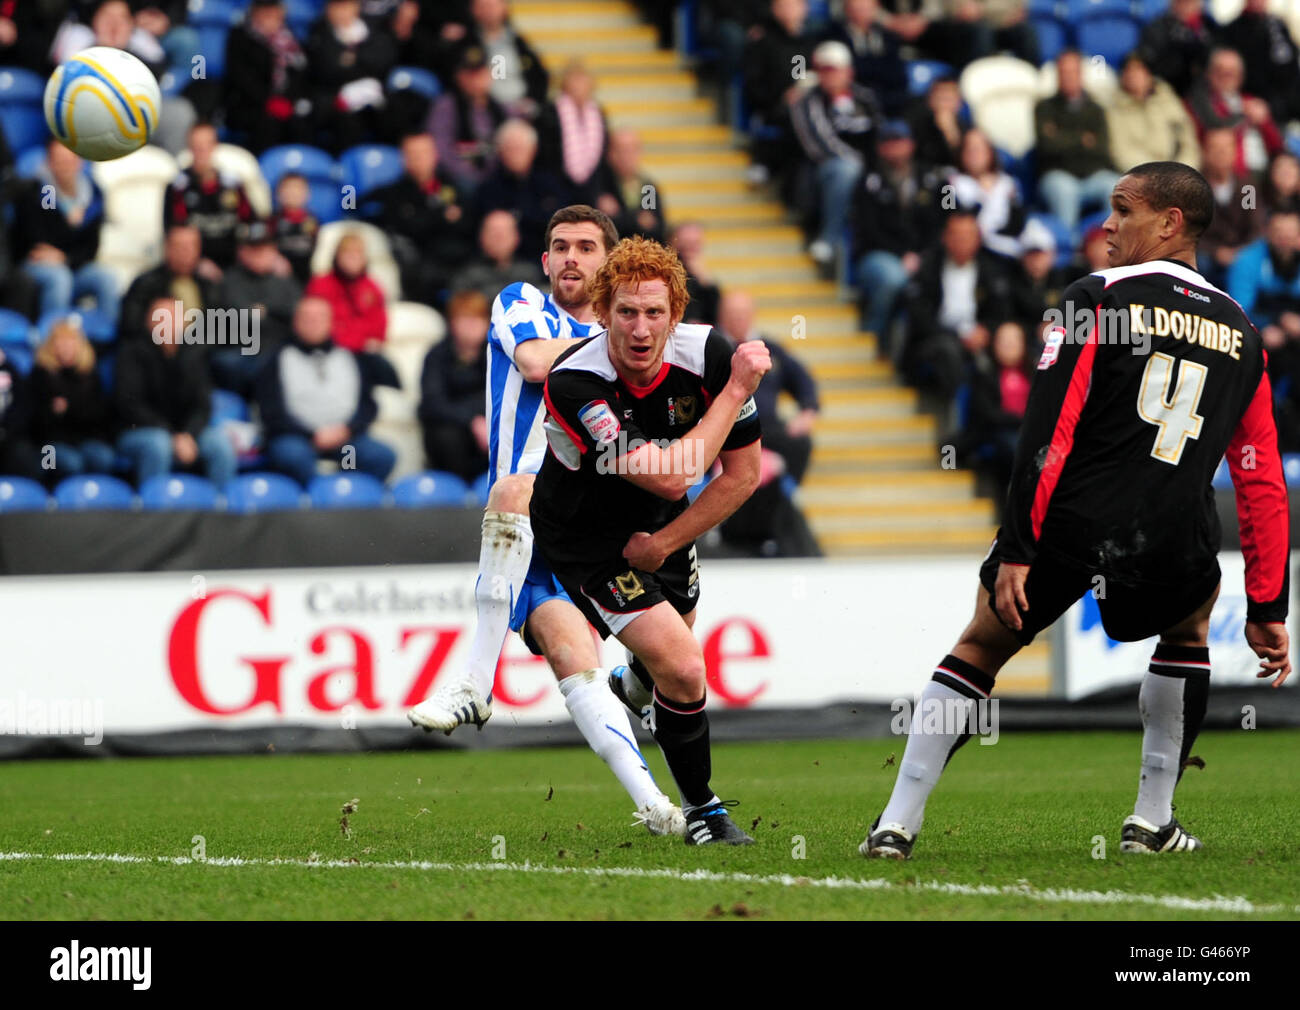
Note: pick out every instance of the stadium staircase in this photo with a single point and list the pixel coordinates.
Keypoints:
(876, 485)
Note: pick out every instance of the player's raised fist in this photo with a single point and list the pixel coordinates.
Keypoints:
(749, 364)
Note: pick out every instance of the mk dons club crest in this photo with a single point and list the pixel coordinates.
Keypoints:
(681, 410)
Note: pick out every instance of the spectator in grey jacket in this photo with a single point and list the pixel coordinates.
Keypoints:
(835, 125)
(317, 401)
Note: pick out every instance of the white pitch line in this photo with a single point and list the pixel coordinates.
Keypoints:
(1023, 889)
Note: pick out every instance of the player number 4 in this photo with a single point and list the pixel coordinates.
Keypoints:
(1175, 416)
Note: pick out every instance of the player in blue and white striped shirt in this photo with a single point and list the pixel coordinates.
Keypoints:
(516, 591)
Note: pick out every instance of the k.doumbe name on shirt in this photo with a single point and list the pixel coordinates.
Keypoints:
(1135, 326)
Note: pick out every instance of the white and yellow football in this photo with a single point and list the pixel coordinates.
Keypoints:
(102, 103)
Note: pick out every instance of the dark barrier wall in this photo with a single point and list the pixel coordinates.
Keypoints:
(64, 543)
(71, 543)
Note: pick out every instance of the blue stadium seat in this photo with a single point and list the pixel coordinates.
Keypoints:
(263, 492)
(1291, 468)
(369, 166)
(309, 161)
(22, 93)
(178, 491)
(227, 406)
(1053, 36)
(325, 201)
(430, 489)
(18, 85)
(922, 73)
(686, 32)
(1094, 220)
(23, 125)
(819, 11)
(15, 328)
(423, 82)
(1080, 10)
(1222, 478)
(93, 491)
(18, 494)
(351, 490)
(961, 405)
(213, 12)
(300, 15)
(172, 84)
(1047, 8)
(212, 45)
(107, 367)
(100, 327)
(21, 356)
(1024, 169)
(1064, 240)
(479, 489)
(1110, 36)
(28, 164)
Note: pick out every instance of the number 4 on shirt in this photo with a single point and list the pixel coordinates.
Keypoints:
(1176, 417)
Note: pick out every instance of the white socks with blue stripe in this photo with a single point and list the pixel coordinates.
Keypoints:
(505, 553)
(603, 721)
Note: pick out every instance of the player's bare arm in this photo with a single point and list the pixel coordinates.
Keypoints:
(534, 358)
(716, 503)
(669, 471)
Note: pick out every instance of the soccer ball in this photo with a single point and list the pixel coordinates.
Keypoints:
(102, 103)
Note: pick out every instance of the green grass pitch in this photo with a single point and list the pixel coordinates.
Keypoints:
(546, 834)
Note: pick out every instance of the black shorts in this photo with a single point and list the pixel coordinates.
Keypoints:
(1131, 610)
(610, 594)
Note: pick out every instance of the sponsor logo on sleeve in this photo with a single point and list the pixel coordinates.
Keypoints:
(600, 422)
(1189, 293)
(519, 311)
(749, 409)
(1052, 341)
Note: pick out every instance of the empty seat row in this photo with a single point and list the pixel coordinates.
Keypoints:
(248, 493)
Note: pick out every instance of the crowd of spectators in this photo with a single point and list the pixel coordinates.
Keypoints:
(483, 167)
(956, 248)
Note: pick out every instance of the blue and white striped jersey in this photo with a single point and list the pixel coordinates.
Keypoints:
(515, 410)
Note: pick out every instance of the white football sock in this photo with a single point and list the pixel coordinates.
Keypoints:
(1160, 701)
(505, 553)
(929, 742)
(603, 721)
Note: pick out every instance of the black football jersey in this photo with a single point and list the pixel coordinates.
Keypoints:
(582, 509)
(1151, 376)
